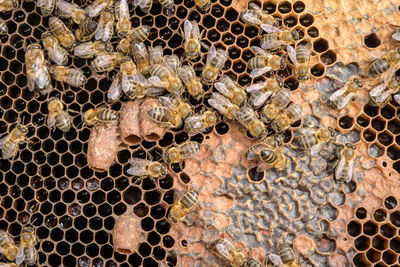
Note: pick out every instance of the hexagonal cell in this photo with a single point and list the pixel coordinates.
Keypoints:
(371, 111)
(370, 228)
(290, 21)
(328, 57)
(394, 126)
(380, 215)
(387, 230)
(354, 228)
(378, 123)
(369, 135)
(284, 7)
(379, 242)
(237, 28)
(317, 70)
(372, 40)
(208, 21)
(360, 260)
(213, 35)
(373, 255)
(363, 120)
(389, 257)
(346, 122)
(390, 202)
(395, 218)
(223, 25)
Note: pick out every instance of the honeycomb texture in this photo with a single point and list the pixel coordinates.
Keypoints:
(74, 208)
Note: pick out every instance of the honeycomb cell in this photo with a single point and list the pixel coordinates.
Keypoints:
(373, 255)
(208, 21)
(346, 122)
(328, 57)
(317, 70)
(320, 45)
(354, 228)
(379, 242)
(394, 126)
(285, 7)
(369, 135)
(378, 123)
(389, 257)
(372, 40)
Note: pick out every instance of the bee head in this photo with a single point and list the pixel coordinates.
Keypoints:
(332, 131)
(279, 80)
(357, 81)
(295, 35)
(283, 62)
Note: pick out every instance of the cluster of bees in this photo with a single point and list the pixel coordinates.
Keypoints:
(24, 252)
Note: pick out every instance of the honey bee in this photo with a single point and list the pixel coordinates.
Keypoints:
(142, 167)
(249, 119)
(191, 81)
(7, 246)
(95, 116)
(90, 49)
(301, 60)
(105, 27)
(273, 260)
(277, 38)
(214, 63)
(231, 90)
(156, 55)
(343, 96)
(223, 105)
(104, 62)
(199, 123)
(168, 4)
(382, 64)
(124, 25)
(192, 39)
(283, 121)
(165, 116)
(167, 74)
(264, 62)
(71, 10)
(227, 251)
(27, 251)
(256, 16)
(36, 70)
(176, 104)
(177, 154)
(71, 76)
(46, 6)
(63, 34)
(287, 256)
(58, 116)
(252, 263)
(97, 6)
(344, 169)
(145, 5)
(183, 205)
(203, 5)
(314, 139)
(10, 143)
(3, 28)
(56, 53)
(141, 57)
(136, 36)
(86, 30)
(270, 158)
(381, 94)
(261, 91)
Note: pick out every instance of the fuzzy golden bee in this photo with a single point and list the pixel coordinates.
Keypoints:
(100, 115)
(167, 74)
(183, 205)
(200, 123)
(71, 11)
(86, 30)
(27, 252)
(62, 32)
(275, 105)
(231, 90)
(223, 105)
(7, 246)
(142, 167)
(345, 166)
(178, 153)
(270, 157)
(192, 36)
(46, 6)
(71, 76)
(56, 53)
(156, 55)
(214, 63)
(168, 4)
(97, 6)
(105, 26)
(141, 57)
(313, 139)
(90, 49)
(342, 97)
(382, 64)
(9, 144)
(382, 93)
(252, 263)
(261, 91)
(254, 15)
(37, 73)
(203, 5)
(249, 119)
(277, 38)
(301, 60)
(123, 26)
(264, 62)
(283, 121)
(226, 250)
(58, 116)
(104, 62)
(287, 255)
(191, 81)
(145, 5)
(137, 35)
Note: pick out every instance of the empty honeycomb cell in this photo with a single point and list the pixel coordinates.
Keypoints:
(299, 7)
(77, 249)
(395, 218)
(394, 126)
(380, 215)
(363, 121)
(385, 138)
(236, 28)
(378, 123)
(373, 255)
(360, 260)
(354, 228)
(328, 57)
(370, 228)
(369, 135)
(389, 257)
(379, 242)
(372, 40)
(242, 42)
(24, 29)
(395, 244)
(317, 70)
(254, 175)
(290, 21)
(153, 238)
(387, 230)
(387, 112)
(346, 122)
(144, 249)
(320, 45)
(284, 7)
(208, 21)
(222, 25)
(135, 259)
(228, 39)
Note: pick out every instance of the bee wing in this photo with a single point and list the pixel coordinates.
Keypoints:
(251, 18)
(261, 98)
(223, 251)
(350, 171)
(271, 45)
(166, 101)
(115, 90)
(138, 167)
(195, 30)
(338, 95)
(41, 3)
(269, 28)
(396, 36)
(219, 102)
(292, 54)
(123, 10)
(185, 75)
(84, 49)
(258, 72)
(155, 80)
(396, 98)
(195, 121)
(65, 7)
(187, 28)
(254, 6)
(211, 54)
(340, 167)
(94, 9)
(19, 259)
(316, 148)
(51, 120)
(126, 82)
(263, 167)
(4, 140)
(260, 51)
(377, 90)
(108, 31)
(221, 87)
(255, 87)
(57, 54)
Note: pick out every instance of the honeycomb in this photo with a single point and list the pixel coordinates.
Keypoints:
(74, 208)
